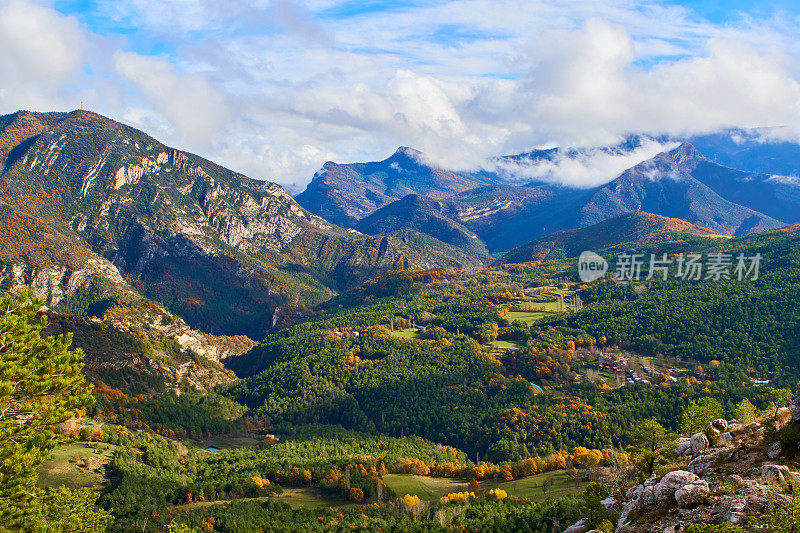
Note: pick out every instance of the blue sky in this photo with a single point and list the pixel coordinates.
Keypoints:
(274, 88)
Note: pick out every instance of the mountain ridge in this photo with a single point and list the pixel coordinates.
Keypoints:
(623, 232)
(173, 222)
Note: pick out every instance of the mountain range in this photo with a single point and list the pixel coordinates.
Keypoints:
(104, 222)
(83, 198)
(505, 207)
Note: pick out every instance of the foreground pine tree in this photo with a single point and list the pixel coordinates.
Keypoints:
(41, 386)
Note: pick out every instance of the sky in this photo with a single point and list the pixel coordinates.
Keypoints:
(274, 88)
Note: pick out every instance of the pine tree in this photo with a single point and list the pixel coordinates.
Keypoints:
(41, 386)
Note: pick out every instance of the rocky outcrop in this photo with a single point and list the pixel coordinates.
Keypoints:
(729, 482)
(578, 527)
(56, 281)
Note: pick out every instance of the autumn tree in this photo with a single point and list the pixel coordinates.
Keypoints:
(41, 386)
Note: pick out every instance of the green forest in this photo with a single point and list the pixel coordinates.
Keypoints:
(492, 396)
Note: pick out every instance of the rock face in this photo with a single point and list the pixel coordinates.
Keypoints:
(684, 446)
(700, 464)
(679, 487)
(777, 474)
(699, 443)
(578, 527)
(682, 487)
(719, 425)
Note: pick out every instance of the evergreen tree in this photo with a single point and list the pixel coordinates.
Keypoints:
(41, 386)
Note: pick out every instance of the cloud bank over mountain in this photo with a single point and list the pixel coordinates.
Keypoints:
(274, 89)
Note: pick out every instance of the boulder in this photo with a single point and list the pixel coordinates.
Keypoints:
(610, 504)
(648, 497)
(692, 494)
(626, 510)
(685, 447)
(735, 513)
(700, 464)
(578, 527)
(775, 474)
(726, 439)
(666, 490)
(735, 479)
(633, 493)
(774, 450)
(699, 443)
(752, 488)
(796, 413)
(720, 425)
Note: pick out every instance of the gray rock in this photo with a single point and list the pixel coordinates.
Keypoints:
(775, 474)
(752, 488)
(666, 490)
(578, 527)
(726, 439)
(700, 464)
(699, 443)
(610, 504)
(735, 513)
(774, 450)
(720, 424)
(685, 447)
(692, 494)
(633, 493)
(626, 510)
(735, 479)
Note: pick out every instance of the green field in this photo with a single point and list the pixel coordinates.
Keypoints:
(527, 317)
(299, 498)
(504, 344)
(410, 333)
(60, 471)
(427, 488)
(308, 498)
(559, 483)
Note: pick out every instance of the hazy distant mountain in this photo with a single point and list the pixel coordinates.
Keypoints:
(775, 195)
(345, 193)
(665, 186)
(516, 208)
(426, 216)
(624, 232)
(759, 150)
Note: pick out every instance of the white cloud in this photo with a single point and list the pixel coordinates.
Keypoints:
(275, 88)
(40, 52)
(196, 110)
(589, 167)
